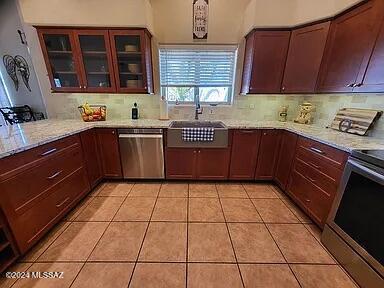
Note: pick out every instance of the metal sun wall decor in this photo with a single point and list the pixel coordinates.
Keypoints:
(14, 64)
(200, 19)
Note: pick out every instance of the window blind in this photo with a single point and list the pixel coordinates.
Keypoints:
(197, 67)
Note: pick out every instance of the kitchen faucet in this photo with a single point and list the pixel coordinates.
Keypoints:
(198, 109)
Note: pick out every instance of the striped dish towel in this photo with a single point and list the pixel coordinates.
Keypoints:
(202, 134)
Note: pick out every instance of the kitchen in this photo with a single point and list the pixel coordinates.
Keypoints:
(192, 143)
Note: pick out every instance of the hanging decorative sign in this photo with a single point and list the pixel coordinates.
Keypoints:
(200, 19)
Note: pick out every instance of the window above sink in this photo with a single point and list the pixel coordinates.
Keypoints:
(196, 73)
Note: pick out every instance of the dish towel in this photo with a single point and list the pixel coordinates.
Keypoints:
(201, 134)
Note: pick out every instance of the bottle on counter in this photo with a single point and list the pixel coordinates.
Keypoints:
(283, 113)
(135, 111)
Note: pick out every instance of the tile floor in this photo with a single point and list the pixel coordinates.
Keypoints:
(180, 234)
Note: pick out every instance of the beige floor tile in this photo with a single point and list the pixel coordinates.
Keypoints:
(76, 211)
(209, 242)
(298, 245)
(145, 190)
(260, 191)
(120, 242)
(135, 209)
(213, 276)
(274, 211)
(322, 276)
(69, 270)
(204, 190)
(231, 191)
(165, 241)
(116, 189)
(170, 209)
(205, 210)
(174, 190)
(239, 210)
(44, 243)
(101, 209)
(297, 211)
(268, 276)
(158, 275)
(253, 243)
(104, 275)
(75, 243)
(18, 267)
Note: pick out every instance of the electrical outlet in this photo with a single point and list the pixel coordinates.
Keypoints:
(211, 112)
(252, 106)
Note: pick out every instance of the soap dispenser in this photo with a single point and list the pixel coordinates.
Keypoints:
(135, 111)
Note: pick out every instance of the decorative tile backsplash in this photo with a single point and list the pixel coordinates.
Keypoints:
(250, 107)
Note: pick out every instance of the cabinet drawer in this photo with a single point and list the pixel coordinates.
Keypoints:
(326, 183)
(321, 152)
(31, 225)
(18, 161)
(297, 188)
(319, 204)
(23, 190)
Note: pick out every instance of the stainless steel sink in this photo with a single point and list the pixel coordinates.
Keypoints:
(186, 124)
(174, 133)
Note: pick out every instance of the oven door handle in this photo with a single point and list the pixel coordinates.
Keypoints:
(366, 170)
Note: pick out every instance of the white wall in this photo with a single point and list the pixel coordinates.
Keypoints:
(10, 44)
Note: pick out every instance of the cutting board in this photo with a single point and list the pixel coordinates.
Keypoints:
(355, 120)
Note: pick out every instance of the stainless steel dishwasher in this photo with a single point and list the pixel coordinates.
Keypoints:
(141, 152)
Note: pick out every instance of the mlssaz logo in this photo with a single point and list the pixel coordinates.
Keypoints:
(47, 275)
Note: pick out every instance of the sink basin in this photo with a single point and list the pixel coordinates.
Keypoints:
(174, 134)
(196, 124)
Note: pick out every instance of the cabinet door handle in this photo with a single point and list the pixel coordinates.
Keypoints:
(53, 176)
(199, 151)
(317, 150)
(247, 131)
(113, 132)
(62, 203)
(48, 152)
(307, 200)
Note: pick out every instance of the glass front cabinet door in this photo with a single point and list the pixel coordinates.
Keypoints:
(59, 51)
(131, 51)
(98, 60)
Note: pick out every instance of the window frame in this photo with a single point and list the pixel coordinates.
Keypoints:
(231, 89)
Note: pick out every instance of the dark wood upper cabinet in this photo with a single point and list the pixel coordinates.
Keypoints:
(245, 148)
(131, 53)
(349, 46)
(62, 59)
(285, 159)
(98, 60)
(91, 155)
(374, 76)
(269, 52)
(95, 60)
(268, 153)
(305, 53)
(110, 152)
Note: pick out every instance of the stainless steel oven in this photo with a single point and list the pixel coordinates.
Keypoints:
(354, 232)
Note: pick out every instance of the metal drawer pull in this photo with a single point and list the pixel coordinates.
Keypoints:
(49, 152)
(62, 203)
(247, 131)
(55, 175)
(317, 150)
(313, 165)
(307, 200)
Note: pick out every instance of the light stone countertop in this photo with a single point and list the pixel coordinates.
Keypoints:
(17, 138)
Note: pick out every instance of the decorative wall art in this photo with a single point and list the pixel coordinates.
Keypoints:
(200, 19)
(17, 64)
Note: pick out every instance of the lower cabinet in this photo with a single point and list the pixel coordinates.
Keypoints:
(268, 153)
(197, 163)
(245, 148)
(92, 156)
(285, 159)
(38, 192)
(316, 174)
(110, 152)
